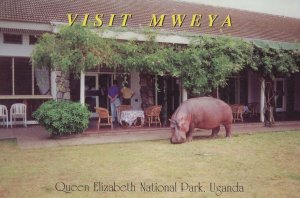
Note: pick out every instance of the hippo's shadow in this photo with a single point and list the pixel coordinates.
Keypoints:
(207, 137)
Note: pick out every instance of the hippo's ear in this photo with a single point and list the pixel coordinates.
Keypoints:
(173, 122)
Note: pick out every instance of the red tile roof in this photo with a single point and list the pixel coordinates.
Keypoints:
(17, 30)
(244, 23)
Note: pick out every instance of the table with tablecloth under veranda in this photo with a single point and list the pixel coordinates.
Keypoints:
(131, 117)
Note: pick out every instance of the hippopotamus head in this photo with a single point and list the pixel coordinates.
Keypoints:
(179, 128)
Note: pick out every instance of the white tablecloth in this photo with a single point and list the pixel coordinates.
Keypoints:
(130, 116)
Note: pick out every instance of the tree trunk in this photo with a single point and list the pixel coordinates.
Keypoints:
(269, 105)
(165, 102)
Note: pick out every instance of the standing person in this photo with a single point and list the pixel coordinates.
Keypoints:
(102, 97)
(127, 94)
(113, 95)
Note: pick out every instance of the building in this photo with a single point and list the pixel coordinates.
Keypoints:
(22, 22)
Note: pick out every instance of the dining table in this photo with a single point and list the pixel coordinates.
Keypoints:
(131, 117)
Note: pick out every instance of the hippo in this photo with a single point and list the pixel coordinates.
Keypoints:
(203, 113)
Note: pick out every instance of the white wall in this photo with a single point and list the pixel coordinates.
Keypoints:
(136, 100)
(19, 50)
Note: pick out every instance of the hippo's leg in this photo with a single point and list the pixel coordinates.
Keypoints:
(189, 135)
(215, 131)
(228, 130)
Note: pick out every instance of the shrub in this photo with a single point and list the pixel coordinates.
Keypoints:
(62, 117)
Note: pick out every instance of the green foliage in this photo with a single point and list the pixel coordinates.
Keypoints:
(73, 49)
(209, 61)
(296, 56)
(42, 53)
(62, 117)
(268, 62)
(202, 66)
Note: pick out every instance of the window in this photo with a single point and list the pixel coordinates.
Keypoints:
(280, 89)
(5, 76)
(33, 39)
(236, 91)
(22, 76)
(18, 77)
(12, 38)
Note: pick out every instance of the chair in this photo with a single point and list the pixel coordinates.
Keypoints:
(152, 115)
(122, 108)
(237, 112)
(103, 115)
(252, 107)
(4, 115)
(18, 110)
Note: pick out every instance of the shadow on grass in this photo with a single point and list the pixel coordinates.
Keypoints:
(205, 137)
(294, 176)
(11, 142)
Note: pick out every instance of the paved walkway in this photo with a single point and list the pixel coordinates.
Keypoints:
(37, 137)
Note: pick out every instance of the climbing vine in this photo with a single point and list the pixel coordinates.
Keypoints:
(72, 49)
(202, 66)
(270, 63)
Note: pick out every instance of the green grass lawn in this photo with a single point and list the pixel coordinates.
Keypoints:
(264, 165)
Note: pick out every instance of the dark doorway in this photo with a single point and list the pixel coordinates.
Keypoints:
(168, 95)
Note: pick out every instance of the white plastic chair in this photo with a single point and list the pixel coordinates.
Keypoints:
(4, 115)
(18, 110)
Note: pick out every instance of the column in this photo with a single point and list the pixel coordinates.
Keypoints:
(53, 85)
(82, 89)
(262, 99)
(155, 96)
